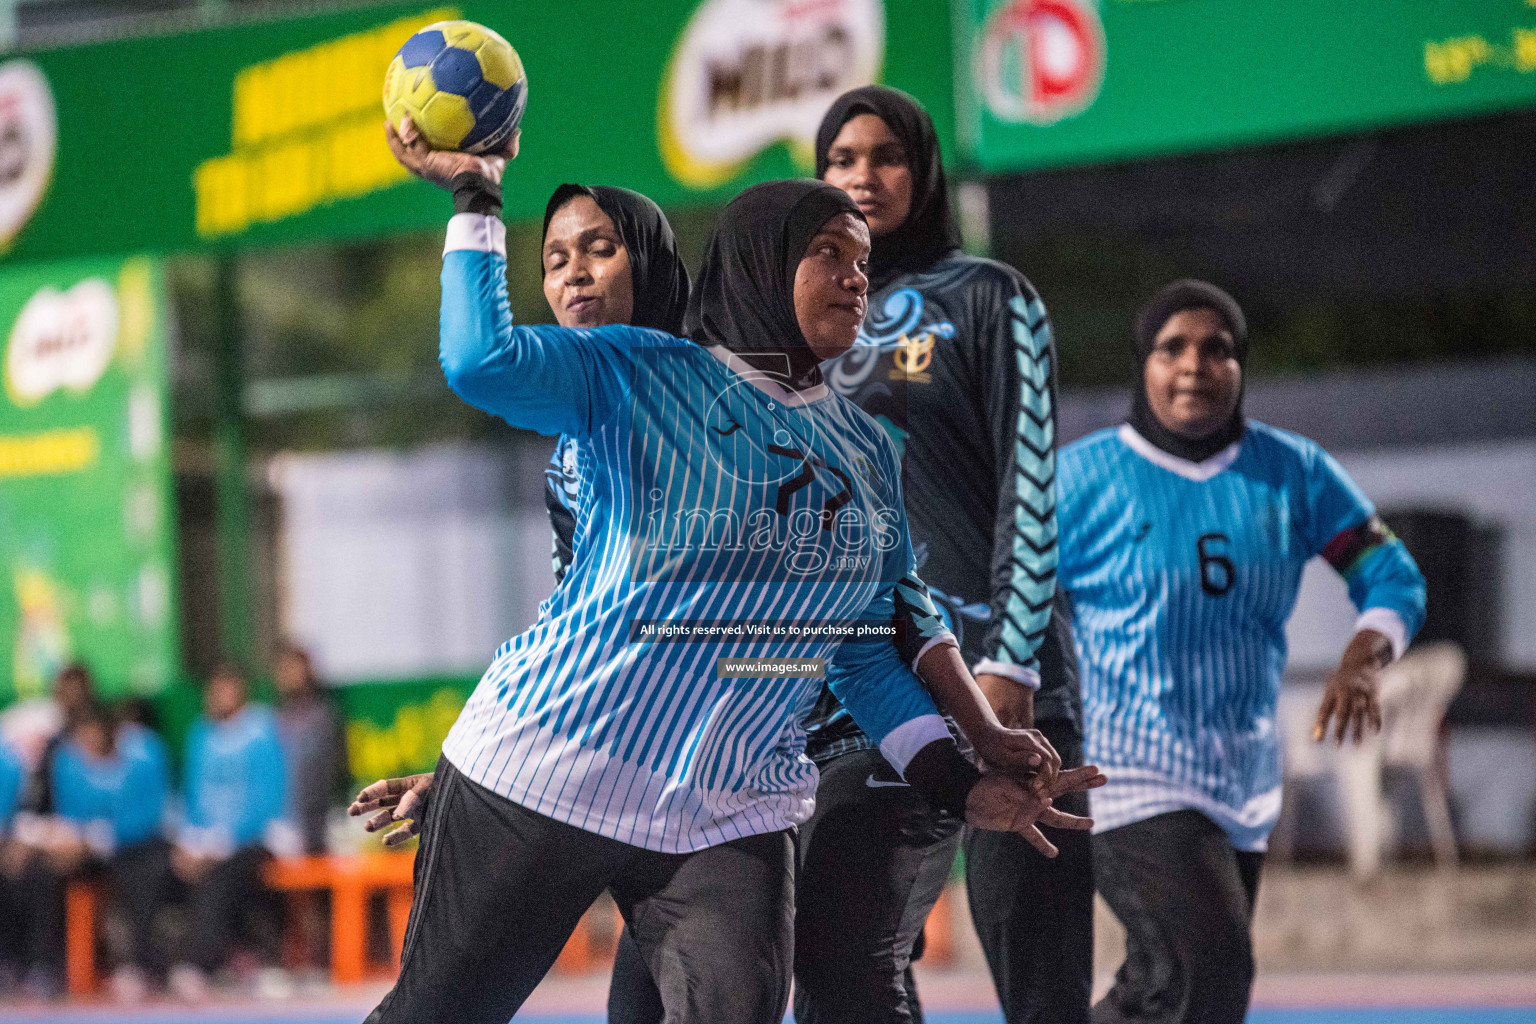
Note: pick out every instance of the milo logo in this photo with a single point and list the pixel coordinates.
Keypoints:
(61, 340)
(748, 73)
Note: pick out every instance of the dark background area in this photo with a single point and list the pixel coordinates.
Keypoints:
(1383, 248)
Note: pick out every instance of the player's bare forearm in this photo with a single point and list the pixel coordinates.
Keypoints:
(1351, 707)
(943, 671)
(1011, 701)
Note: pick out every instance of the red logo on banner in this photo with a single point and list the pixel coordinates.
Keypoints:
(1041, 60)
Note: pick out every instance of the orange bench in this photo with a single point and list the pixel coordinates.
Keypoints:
(350, 881)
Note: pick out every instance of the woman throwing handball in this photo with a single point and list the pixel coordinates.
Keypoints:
(589, 757)
(955, 362)
(1184, 533)
(609, 257)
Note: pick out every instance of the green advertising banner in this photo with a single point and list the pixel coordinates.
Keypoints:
(86, 546)
(1056, 82)
(271, 132)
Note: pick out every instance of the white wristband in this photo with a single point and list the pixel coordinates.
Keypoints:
(476, 232)
(1389, 624)
(902, 743)
(1018, 673)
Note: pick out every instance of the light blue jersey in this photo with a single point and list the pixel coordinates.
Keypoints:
(709, 494)
(1182, 577)
(11, 778)
(830, 731)
(234, 780)
(119, 800)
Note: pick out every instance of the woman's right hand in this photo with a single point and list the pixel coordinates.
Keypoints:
(1024, 754)
(395, 800)
(441, 166)
(1001, 804)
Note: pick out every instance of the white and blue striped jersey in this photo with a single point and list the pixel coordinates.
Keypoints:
(1182, 576)
(710, 496)
(829, 730)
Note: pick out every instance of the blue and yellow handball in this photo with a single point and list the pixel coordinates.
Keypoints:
(461, 83)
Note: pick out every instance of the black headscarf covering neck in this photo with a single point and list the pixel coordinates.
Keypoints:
(1154, 313)
(657, 275)
(929, 232)
(745, 295)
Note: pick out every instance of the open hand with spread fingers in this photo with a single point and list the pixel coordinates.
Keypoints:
(441, 166)
(395, 800)
(1351, 706)
(1001, 804)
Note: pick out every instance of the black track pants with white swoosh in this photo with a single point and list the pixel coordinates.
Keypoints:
(873, 860)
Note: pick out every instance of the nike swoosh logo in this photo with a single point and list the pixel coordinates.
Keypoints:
(874, 783)
(727, 433)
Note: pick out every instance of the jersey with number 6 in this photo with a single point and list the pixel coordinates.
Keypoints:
(1182, 576)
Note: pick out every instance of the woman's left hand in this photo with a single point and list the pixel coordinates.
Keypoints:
(441, 166)
(1351, 705)
(395, 800)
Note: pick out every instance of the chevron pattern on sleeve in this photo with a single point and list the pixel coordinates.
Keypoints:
(1027, 611)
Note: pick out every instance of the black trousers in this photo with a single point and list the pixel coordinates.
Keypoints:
(873, 861)
(13, 911)
(39, 892)
(138, 885)
(1034, 914)
(1186, 898)
(230, 902)
(500, 888)
(137, 882)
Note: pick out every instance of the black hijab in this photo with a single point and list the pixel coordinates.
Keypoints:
(1175, 298)
(657, 275)
(929, 232)
(745, 296)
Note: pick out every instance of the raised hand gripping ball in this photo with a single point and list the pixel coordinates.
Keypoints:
(462, 84)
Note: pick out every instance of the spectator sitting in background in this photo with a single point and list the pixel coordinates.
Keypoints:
(43, 849)
(234, 793)
(110, 784)
(36, 728)
(314, 746)
(11, 911)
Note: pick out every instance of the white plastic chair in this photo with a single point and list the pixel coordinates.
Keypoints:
(1416, 691)
(1356, 771)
